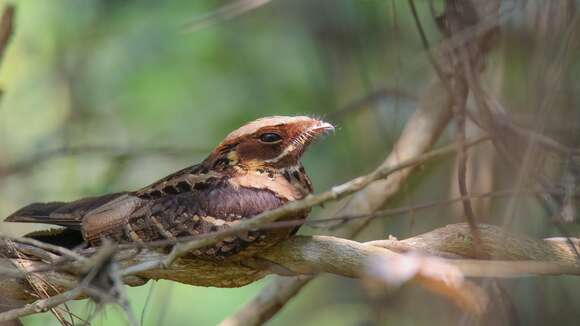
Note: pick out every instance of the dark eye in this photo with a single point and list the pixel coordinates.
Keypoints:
(270, 137)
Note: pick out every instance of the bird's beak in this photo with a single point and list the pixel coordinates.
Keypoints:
(316, 130)
(321, 128)
(324, 127)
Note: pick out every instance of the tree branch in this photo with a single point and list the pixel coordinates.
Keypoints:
(513, 256)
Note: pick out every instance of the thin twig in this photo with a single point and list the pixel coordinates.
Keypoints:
(46, 246)
(224, 13)
(325, 220)
(460, 94)
(434, 63)
(41, 305)
(6, 28)
(333, 194)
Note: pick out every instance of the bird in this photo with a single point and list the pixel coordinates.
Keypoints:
(256, 168)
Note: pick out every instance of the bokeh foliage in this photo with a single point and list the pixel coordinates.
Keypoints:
(106, 95)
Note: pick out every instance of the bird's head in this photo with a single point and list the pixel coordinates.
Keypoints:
(276, 142)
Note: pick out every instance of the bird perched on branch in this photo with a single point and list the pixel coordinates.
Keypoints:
(254, 169)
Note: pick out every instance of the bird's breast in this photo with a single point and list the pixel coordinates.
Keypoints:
(280, 183)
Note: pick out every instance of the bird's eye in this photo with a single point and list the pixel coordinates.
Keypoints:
(270, 137)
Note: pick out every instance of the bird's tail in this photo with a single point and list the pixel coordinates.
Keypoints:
(35, 212)
(60, 213)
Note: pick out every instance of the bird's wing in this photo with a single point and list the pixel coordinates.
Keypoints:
(112, 207)
(187, 214)
(185, 180)
(188, 202)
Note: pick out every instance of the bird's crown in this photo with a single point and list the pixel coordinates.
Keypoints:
(275, 141)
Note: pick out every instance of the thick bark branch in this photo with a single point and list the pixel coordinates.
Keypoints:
(513, 255)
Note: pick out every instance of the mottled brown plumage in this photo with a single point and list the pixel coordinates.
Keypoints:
(256, 168)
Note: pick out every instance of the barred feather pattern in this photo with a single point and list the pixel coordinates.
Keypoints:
(202, 212)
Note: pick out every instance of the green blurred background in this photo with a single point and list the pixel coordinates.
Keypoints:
(107, 95)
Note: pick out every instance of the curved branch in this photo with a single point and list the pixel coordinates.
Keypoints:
(310, 255)
(514, 256)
